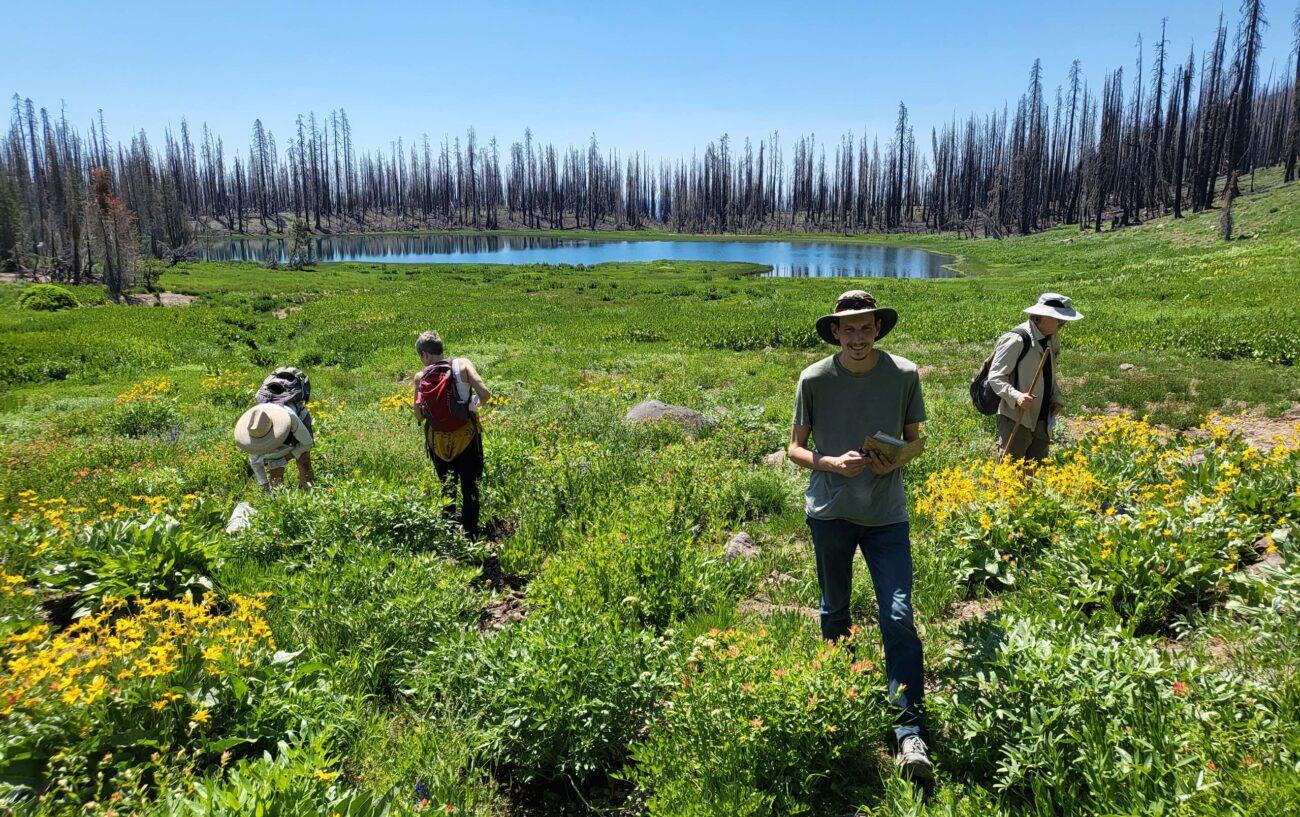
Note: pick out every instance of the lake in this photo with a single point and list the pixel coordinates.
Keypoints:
(788, 259)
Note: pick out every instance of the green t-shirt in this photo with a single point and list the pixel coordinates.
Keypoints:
(843, 409)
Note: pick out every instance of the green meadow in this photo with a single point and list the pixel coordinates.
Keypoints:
(1113, 634)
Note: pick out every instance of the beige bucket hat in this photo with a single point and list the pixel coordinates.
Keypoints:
(1054, 305)
(851, 303)
(263, 428)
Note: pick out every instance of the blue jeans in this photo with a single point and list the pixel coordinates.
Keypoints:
(888, 553)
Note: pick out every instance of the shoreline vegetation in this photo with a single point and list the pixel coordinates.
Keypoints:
(1112, 634)
(969, 259)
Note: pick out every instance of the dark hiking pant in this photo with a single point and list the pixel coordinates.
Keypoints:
(888, 552)
(467, 470)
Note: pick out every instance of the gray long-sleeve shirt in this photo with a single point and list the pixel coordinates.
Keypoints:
(1000, 377)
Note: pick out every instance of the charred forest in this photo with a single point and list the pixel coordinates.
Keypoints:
(1171, 133)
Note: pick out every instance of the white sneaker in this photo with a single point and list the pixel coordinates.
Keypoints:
(914, 758)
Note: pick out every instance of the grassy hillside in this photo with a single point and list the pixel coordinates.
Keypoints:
(352, 653)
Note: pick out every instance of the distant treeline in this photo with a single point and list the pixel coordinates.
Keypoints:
(1173, 135)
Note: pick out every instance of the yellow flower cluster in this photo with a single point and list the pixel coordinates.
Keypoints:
(397, 403)
(325, 410)
(56, 514)
(12, 585)
(976, 483)
(53, 512)
(226, 380)
(149, 389)
(1135, 436)
(1218, 426)
(114, 657)
(614, 385)
(1072, 480)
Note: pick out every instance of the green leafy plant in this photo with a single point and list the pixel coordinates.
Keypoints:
(47, 298)
(766, 722)
(373, 614)
(84, 705)
(1063, 718)
(644, 567)
(296, 778)
(561, 695)
(153, 558)
(298, 524)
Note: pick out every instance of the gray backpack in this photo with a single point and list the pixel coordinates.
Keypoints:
(288, 387)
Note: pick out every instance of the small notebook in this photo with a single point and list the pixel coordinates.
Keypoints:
(892, 448)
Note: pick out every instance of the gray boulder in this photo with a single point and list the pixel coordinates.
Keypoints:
(654, 411)
(741, 546)
(777, 458)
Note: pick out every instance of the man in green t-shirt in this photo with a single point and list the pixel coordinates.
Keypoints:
(855, 497)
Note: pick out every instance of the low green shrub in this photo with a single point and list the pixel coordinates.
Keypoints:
(372, 614)
(47, 298)
(296, 779)
(156, 557)
(431, 759)
(138, 418)
(560, 695)
(1071, 721)
(738, 335)
(299, 524)
(1143, 573)
(754, 494)
(642, 566)
(767, 722)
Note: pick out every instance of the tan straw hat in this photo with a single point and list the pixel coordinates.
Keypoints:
(851, 303)
(263, 428)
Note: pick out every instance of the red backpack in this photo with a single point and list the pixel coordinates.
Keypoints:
(438, 398)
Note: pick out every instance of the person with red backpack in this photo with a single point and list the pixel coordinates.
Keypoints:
(448, 392)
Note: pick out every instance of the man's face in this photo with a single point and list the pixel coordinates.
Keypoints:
(856, 334)
(1049, 326)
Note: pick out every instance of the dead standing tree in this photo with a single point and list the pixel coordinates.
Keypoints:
(113, 234)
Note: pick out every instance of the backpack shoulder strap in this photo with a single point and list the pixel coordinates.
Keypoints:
(1026, 342)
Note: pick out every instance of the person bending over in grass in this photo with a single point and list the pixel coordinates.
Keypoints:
(272, 435)
(855, 498)
(1028, 408)
(448, 392)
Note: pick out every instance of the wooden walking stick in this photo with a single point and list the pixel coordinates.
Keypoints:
(1047, 350)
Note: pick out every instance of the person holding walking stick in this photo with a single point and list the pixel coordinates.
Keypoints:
(1025, 379)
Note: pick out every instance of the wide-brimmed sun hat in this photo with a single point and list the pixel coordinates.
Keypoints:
(1054, 305)
(263, 428)
(850, 304)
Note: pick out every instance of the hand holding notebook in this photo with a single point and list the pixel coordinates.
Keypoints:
(894, 450)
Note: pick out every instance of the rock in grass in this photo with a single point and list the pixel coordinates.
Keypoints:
(654, 411)
(741, 546)
(1129, 367)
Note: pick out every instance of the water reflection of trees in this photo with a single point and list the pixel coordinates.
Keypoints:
(353, 247)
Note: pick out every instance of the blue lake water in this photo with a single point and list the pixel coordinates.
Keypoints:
(788, 259)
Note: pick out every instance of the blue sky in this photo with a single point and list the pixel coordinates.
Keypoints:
(663, 77)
